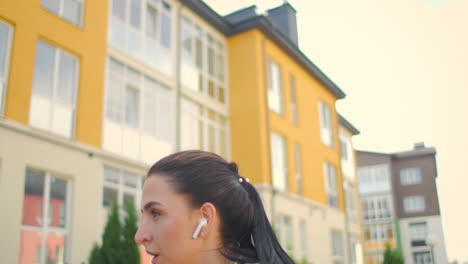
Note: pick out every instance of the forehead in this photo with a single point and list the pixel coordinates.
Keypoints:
(159, 189)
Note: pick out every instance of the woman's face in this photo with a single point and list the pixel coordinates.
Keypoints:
(167, 223)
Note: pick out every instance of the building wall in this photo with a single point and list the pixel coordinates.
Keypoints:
(427, 187)
(32, 22)
(434, 228)
(23, 148)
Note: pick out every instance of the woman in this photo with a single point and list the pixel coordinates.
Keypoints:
(196, 208)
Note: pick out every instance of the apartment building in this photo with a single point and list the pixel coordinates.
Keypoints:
(351, 190)
(415, 205)
(285, 135)
(93, 92)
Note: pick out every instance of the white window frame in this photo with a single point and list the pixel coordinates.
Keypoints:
(298, 163)
(53, 99)
(376, 208)
(120, 186)
(275, 87)
(198, 77)
(4, 75)
(338, 247)
(331, 184)
(44, 230)
(304, 238)
(293, 97)
(284, 224)
(160, 56)
(278, 159)
(410, 176)
(326, 124)
(418, 231)
(197, 136)
(414, 204)
(61, 11)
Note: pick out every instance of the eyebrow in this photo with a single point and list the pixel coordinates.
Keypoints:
(148, 205)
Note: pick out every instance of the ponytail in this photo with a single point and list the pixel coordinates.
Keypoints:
(269, 250)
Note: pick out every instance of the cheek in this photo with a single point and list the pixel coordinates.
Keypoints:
(174, 238)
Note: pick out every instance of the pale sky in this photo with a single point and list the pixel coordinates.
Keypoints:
(404, 67)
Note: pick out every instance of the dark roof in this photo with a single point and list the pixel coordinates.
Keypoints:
(417, 152)
(234, 24)
(348, 125)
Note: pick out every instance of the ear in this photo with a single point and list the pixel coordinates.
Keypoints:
(209, 212)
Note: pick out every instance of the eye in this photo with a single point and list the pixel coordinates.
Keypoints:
(155, 213)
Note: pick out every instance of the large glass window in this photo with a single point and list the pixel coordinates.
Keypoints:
(414, 204)
(139, 114)
(374, 178)
(53, 100)
(292, 87)
(203, 61)
(326, 126)
(331, 184)
(379, 232)
(337, 247)
(275, 91)
(45, 227)
(298, 163)
(5, 48)
(410, 176)
(202, 128)
(143, 29)
(376, 208)
(418, 234)
(278, 161)
(71, 10)
(121, 186)
(285, 232)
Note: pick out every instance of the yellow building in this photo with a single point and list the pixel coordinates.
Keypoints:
(93, 92)
(284, 134)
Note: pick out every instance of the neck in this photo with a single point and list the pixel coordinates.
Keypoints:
(213, 256)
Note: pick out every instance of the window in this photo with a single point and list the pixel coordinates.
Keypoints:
(331, 184)
(298, 163)
(70, 10)
(414, 204)
(374, 178)
(422, 257)
(143, 29)
(326, 127)
(45, 228)
(379, 232)
(203, 128)
(120, 186)
(418, 234)
(5, 49)
(285, 232)
(410, 176)
(304, 238)
(337, 247)
(138, 114)
(278, 161)
(376, 208)
(344, 149)
(275, 97)
(198, 46)
(292, 87)
(53, 100)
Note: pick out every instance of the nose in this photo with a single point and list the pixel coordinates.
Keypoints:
(142, 235)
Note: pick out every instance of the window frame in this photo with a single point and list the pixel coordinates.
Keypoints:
(278, 141)
(275, 95)
(54, 98)
(332, 191)
(326, 124)
(293, 99)
(414, 204)
(410, 176)
(4, 79)
(61, 11)
(44, 229)
(298, 167)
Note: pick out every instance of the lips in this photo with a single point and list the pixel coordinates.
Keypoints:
(155, 258)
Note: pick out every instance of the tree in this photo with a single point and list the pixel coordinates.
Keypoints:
(393, 256)
(118, 246)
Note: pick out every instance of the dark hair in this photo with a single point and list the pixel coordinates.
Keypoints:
(207, 177)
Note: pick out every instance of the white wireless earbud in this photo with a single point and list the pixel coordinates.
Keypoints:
(201, 224)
